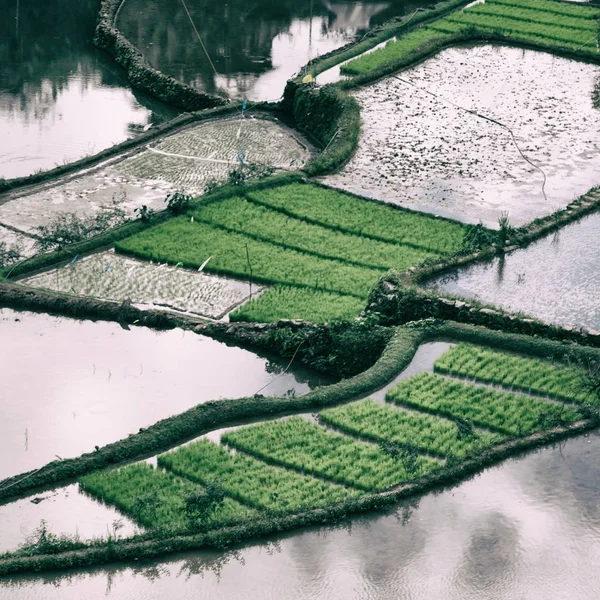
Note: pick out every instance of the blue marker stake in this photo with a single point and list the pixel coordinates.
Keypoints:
(241, 155)
(244, 104)
(76, 257)
(106, 268)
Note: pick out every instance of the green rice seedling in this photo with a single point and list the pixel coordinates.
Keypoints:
(154, 498)
(190, 243)
(298, 444)
(391, 51)
(560, 9)
(532, 375)
(252, 481)
(262, 223)
(523, 29)
(349, 214)
(425, 433)
(509, 414)
(283, 302)
(529, 15)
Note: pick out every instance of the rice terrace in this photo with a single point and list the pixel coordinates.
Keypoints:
(300, 301)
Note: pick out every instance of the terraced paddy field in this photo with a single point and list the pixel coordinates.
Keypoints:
(320, 249)
(296, 464)
(110, 276)
(556, 279)
(184, 161)
(474, 131)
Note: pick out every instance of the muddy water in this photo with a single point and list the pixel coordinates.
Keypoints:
(254, 46)
(528, 529)
(69, 385)
(60, 98)
(557, 279)
(427, 142)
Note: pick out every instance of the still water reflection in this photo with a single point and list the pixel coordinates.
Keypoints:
(527, 529)
(556, 279)
(255, 45)
(60, 98)
(70, 385)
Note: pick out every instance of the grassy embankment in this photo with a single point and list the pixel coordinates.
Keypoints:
(543, 23)
(322, 250)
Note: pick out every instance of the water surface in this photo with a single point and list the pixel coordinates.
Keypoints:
(69, 385)
(60, 98)
(556, 279)
(255, 46)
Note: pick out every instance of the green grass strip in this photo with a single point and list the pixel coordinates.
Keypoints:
(252, 481)
(191, 243)
(391, 51)
(423, 432)
(511, 414)
(154, 498)
(240, 216)
(527, 15)
(298, 444)
(350, 214)
(585, 39)
(283, 302)
(562, 9)
(556, 380)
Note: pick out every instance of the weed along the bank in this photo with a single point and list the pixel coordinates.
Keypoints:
(272, 346)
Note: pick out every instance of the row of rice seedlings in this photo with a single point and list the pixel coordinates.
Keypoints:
(189, 243)
(298, 444)
(510, 414)
(252, 481)
(393, 50)
(240, 216)
(154, 498)
(529, 15)
(349, 214)
(423, 432)
(522, 29)
(283, 302)
(509, 370)
(566, 26)
(446, 26)
(562, 9)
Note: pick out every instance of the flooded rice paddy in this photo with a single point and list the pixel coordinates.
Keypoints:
(556, 279)
(528, 528)
(60, 98)
(184, 161)
(423, 147)
(255, 46)
(68, 385)
(110, 276)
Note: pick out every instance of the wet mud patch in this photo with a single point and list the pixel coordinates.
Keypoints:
(109, 276)
(425, 145)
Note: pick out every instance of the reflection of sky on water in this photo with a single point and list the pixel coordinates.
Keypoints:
(96, 383)
(556, 279)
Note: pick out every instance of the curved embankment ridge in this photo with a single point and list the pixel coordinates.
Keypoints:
(214, 415)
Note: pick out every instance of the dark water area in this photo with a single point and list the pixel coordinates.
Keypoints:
(528, 529)
(60, 98)
(69, 385)
(256, 45)
(556, 279)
